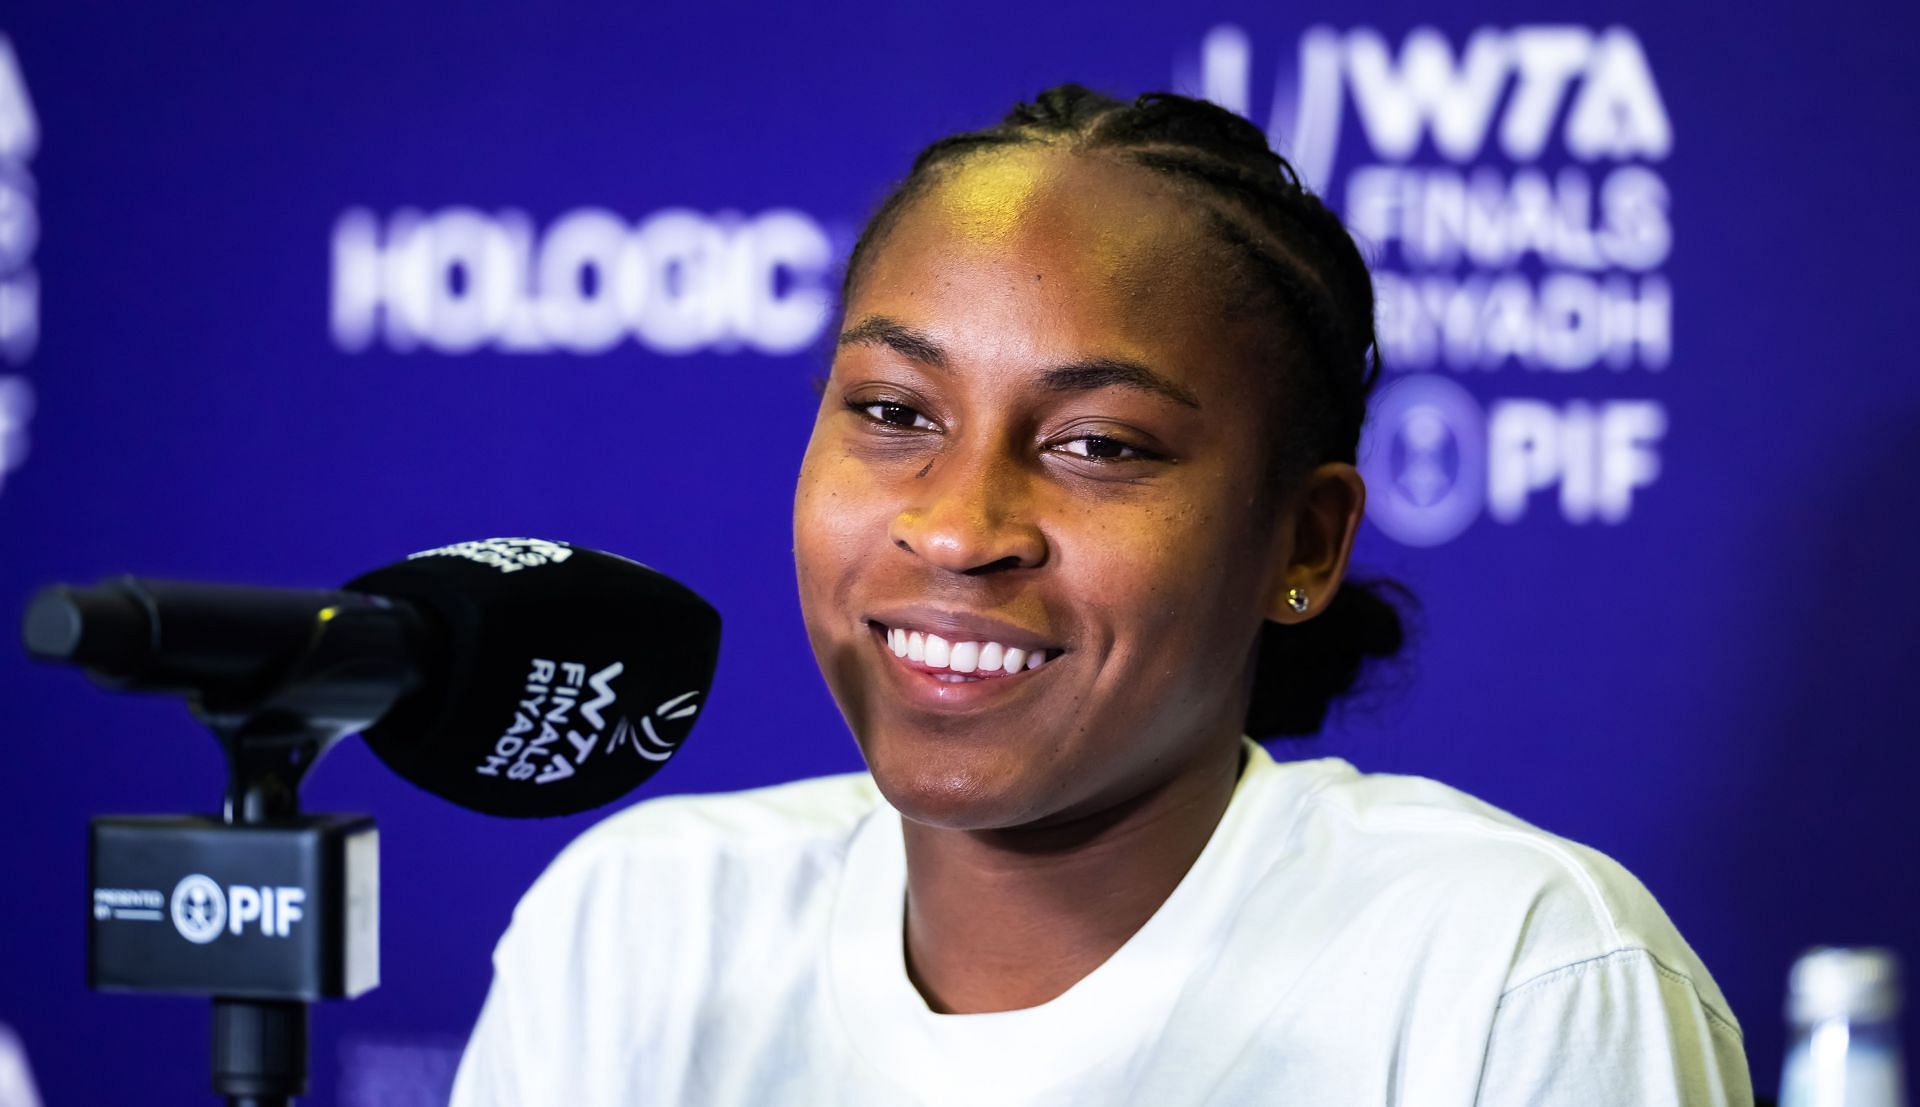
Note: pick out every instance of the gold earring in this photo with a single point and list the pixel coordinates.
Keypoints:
(1296, 599)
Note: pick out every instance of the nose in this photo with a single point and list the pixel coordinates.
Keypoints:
(970, 511)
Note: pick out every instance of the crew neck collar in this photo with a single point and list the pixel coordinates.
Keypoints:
(1011, 1055)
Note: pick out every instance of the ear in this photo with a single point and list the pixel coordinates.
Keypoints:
(1319, 520)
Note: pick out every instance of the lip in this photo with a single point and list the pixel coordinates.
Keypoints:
(963, 626)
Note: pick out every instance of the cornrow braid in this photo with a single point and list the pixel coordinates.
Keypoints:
(1297, 257)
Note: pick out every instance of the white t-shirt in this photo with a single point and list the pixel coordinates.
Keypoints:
(1344, 938)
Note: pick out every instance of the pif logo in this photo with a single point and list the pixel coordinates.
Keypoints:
(1434, 462)
(201, 909)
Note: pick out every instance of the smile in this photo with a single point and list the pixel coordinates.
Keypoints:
(960, 662)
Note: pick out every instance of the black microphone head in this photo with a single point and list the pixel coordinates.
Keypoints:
(569, 675)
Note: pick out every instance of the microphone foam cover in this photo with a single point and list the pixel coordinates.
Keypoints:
(566, 677)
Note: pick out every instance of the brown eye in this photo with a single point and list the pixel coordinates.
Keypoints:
(1100, 448)
(892, 414)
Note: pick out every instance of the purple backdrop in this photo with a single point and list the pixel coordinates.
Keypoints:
(284, 296)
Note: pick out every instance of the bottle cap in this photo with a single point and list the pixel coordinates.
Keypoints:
(1830, 982)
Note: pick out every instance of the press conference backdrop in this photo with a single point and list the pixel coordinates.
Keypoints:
(285, 294)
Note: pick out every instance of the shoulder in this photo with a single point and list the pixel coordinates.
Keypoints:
(620, 947)
(663, 856)
(1541, 904)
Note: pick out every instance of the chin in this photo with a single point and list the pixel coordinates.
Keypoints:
(949, 788)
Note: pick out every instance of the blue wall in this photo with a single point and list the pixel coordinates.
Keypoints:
(273, 309)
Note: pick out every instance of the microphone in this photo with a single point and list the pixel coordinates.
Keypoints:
(512, 676)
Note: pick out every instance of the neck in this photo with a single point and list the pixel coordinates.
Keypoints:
(999, 920)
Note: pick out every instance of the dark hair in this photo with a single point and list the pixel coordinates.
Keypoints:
(1294, 253)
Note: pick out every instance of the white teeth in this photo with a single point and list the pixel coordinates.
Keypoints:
(966, 657)
(963, 657)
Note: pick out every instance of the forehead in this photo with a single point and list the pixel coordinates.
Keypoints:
(1047, 253)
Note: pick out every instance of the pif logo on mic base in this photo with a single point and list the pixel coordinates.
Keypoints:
(201, 908)
(190, 904)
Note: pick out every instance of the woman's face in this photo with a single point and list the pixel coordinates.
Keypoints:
(1042, 432)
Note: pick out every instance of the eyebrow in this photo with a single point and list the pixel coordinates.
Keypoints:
(1079, 376)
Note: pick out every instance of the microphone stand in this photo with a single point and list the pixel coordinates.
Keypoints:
(275, 866)
(261, 1046)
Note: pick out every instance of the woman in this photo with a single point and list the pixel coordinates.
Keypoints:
(1075, 519)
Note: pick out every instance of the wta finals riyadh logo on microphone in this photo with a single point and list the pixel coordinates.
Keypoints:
(1505, 190)
(509, 555)
(552, 701)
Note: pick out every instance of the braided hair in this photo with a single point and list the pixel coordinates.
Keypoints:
(1293, 255)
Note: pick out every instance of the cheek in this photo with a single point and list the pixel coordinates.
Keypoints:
(834, 519)
(1180, 585)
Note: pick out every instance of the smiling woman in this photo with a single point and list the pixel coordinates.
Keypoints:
(1073, 527)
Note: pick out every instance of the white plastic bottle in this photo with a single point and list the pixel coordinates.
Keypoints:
(1844, 1008)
